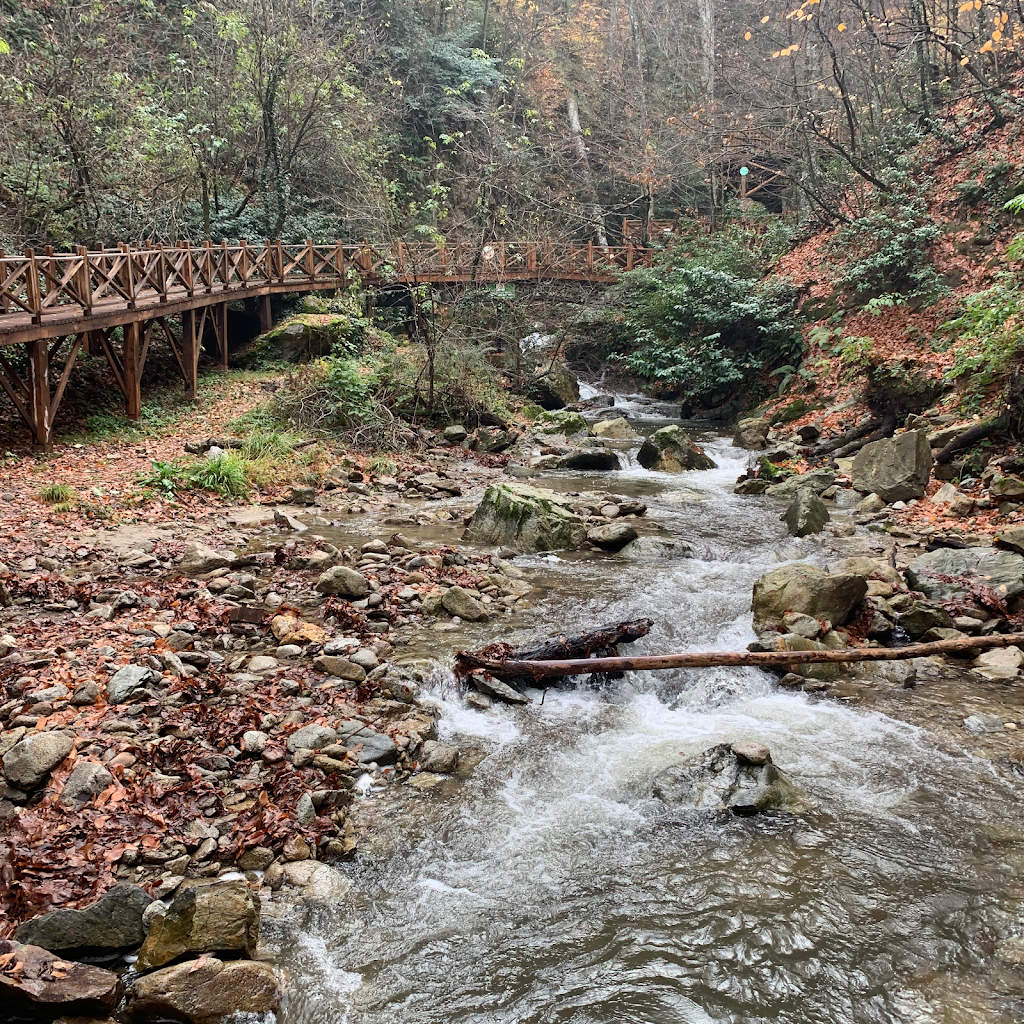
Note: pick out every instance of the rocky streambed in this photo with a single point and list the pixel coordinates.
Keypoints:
(383, 845)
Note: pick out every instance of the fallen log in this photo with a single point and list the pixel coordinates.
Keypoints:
(845, 439)
(969, 437)
(580, 647)
(887, 429)
(509, 669)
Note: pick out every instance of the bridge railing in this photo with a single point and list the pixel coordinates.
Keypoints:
(83, 281)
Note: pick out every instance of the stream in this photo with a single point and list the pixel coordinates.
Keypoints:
(544, 884)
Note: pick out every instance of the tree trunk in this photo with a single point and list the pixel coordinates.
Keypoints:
(591, 207)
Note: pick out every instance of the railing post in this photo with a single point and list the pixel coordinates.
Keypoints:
(5, 302)
(243, 263)
(127, 276)
(339, 261)
(280, 259)
(161, 271)
(310, 260)
(224, 268)
(186, 269)
(208, 264)
(84, 282)
(35, 300)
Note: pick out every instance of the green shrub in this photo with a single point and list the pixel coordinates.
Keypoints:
(227, 474)
(987, 339)
(884, 251)
(700, 332)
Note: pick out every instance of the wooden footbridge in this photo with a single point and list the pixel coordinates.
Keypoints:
(117, 301)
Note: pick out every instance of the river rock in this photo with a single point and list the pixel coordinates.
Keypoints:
(737, 777)
(200, 559)
(374, 746)
(670, 450)
(125, 681)
(751, 433)
(439, 757)
(564, 423)
(895, 468)
(592, 460)
(804, 588)
(656, 549)
(612, 536)
(205, 991)
(342, 581)
(806, 514)
(1002, 663)
(923, 616)
(497, 688)
(1002, 571)
(1012, 537)
(751, 485)
(817, 480)
(36, 983)
(87, 780)
(312, 737)
(110, 925)
(1006, 488)
(459, 601)
(525, 518)
(554, 388)
(618, 428)
(30, 761)
(216, 918)
(456, 433)
(341, 668)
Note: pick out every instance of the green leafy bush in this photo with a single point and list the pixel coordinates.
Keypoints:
(700, 332)
(987, 340)
(226, 474)
(884, 251)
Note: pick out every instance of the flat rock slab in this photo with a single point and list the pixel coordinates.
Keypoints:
(934, 573)
(35, 982)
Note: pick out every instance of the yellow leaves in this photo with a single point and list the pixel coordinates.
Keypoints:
(841, 27)
(965, 60)
(787, 51)
(996, 36)
(747, 37)
(987, 48)
(766, 19)
(965, 7)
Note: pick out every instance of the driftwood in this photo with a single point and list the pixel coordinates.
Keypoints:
(886, 429)
(577, 648)
(535, 670)
(969, 437)
(845, 439)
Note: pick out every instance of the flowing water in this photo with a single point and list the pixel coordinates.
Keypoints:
(546, 885)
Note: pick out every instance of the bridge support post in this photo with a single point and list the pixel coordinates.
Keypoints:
(189, 352)
(220, 328)
(39, 394)
(266, 319)
(132, 372)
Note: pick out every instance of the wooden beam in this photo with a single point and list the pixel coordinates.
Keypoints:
(65, 374)
(132, 374)
(39, 393)
(220, 329)
(190, 342)
(266, 317)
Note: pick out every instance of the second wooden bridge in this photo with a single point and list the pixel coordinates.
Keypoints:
(116, 301)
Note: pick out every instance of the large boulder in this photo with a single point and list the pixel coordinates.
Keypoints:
(564, 423)
(593, 460)
(1001, 571)
(200, 559)
(305, 336)
(612, 536)
(526, 518)
(806, 514)
(817, 480)
(554, 388)
(800, 587)
(205, 991)
(737, 777)
(35, 983)
(216, 918)
(459, 601)
(343, 582)
(30, 761)
(616, 429)
(670, 450)
(895, 468)
(110, 925)
(751, 433)
(656, 549)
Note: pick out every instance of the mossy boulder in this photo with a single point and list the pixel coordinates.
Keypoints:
(554, 388)
(562, 423)
(670, 450)
(303, 337)
(527, 518)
